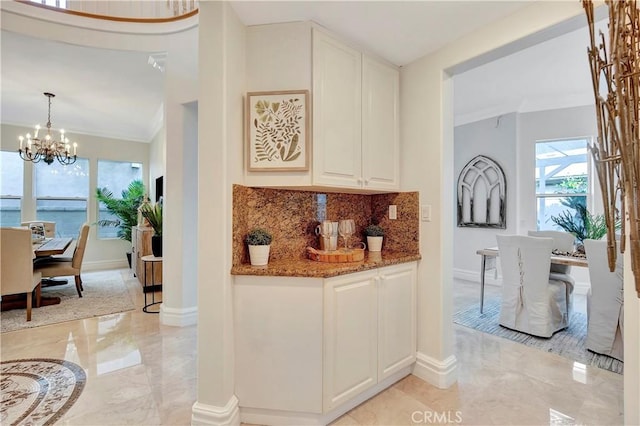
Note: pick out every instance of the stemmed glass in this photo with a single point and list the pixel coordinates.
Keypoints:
(346, 228)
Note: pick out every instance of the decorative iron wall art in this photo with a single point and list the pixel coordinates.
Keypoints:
(482, 195)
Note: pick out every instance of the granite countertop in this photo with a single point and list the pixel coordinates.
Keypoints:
(313, 269)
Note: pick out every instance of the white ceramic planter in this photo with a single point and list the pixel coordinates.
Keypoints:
(374, 243)
(259, 255)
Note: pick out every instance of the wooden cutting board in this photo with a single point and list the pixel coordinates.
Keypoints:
(336, 256)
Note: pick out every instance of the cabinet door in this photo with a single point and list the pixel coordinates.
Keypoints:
(397, 318)
(337, 93)
(380, 125)
(350, 337)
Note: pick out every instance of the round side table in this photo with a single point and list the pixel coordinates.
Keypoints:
(150, 259)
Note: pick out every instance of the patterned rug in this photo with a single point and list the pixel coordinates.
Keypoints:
(100, 297)
(568, 343)
(38, 391)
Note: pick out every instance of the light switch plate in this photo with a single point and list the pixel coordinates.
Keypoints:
(393, 212)
(425, 213)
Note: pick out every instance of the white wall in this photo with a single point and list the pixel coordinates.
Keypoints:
(512, 145)
(427, 139)
(494, 138)
(427, 166)
(157, 160)
(100, 253)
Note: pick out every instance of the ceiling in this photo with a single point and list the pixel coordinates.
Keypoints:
(117, 94)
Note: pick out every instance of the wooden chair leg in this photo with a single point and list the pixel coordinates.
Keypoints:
(29, 300)
(38, 292)
(79, 285)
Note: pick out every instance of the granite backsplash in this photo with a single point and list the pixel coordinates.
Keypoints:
(292, 216)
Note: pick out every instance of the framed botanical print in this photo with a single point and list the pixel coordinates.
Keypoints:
(277, 130)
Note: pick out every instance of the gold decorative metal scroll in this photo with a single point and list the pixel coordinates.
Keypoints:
(615, 70)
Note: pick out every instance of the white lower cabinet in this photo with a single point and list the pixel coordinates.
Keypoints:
(308, 349)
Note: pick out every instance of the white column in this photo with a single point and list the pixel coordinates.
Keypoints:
(221, 79)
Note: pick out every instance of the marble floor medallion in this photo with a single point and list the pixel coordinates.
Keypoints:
(38, 390)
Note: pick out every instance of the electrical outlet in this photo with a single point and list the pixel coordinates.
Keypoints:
(393, 212)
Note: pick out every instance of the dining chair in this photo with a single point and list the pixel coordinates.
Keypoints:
(16, 271)
(49, 227)
(562, 241)
(55, 266)
(605, 302)
(532, 302)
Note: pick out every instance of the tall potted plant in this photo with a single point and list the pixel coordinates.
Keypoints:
(125, 209)
(153, 213)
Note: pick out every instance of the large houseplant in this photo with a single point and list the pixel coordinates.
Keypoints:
(153, 213)
(583, 225)
(125, 209)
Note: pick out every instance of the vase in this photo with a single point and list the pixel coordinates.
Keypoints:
(156, 245)
(259, 255)
(374, 243)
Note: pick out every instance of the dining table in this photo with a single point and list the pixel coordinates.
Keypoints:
(51, 246)
(571, 259)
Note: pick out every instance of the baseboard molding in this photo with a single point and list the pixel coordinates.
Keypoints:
(474, 276)
(178, 317)
(203, 414)
(100, 265)
(441, 374)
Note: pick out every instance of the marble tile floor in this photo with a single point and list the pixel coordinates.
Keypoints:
(140, 372)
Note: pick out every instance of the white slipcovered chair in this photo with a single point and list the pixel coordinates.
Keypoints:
(56, 266)
(532, 302)
(562, 241)
(16, 270)
(49, 227)
(604, 302)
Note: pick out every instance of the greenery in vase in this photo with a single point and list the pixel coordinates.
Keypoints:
(125, 208)
(153, 213)
(258, 237)
(374, 231)
(583, 225)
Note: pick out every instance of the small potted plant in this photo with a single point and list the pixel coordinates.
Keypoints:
(374, 234)
(259, 242)
(153, 214)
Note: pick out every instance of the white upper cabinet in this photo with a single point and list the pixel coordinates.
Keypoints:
(337, 99)
(355, 101)
(380, 125)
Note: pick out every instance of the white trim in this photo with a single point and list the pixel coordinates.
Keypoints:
(474, 276)
(178, 317)
(441, 374)
(279, 417)
(101, 265)
(203, 414)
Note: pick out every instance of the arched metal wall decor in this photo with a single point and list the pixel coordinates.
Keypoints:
(482, 195)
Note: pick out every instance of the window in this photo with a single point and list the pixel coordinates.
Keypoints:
(562, 179)
(116, 177)
(55, 3)
(11, 185)
(62, 193)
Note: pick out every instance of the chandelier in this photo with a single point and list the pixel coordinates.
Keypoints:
(47, 148)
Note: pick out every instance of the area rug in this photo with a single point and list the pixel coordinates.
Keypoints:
(569, 343)
(100, 297)
(38, 391)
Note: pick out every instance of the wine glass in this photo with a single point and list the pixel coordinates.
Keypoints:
(346, 228)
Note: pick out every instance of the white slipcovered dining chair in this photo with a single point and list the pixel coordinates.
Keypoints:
(532, 302)
(16, 270)
(56, 266)
(604, 302)
(562, 241)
